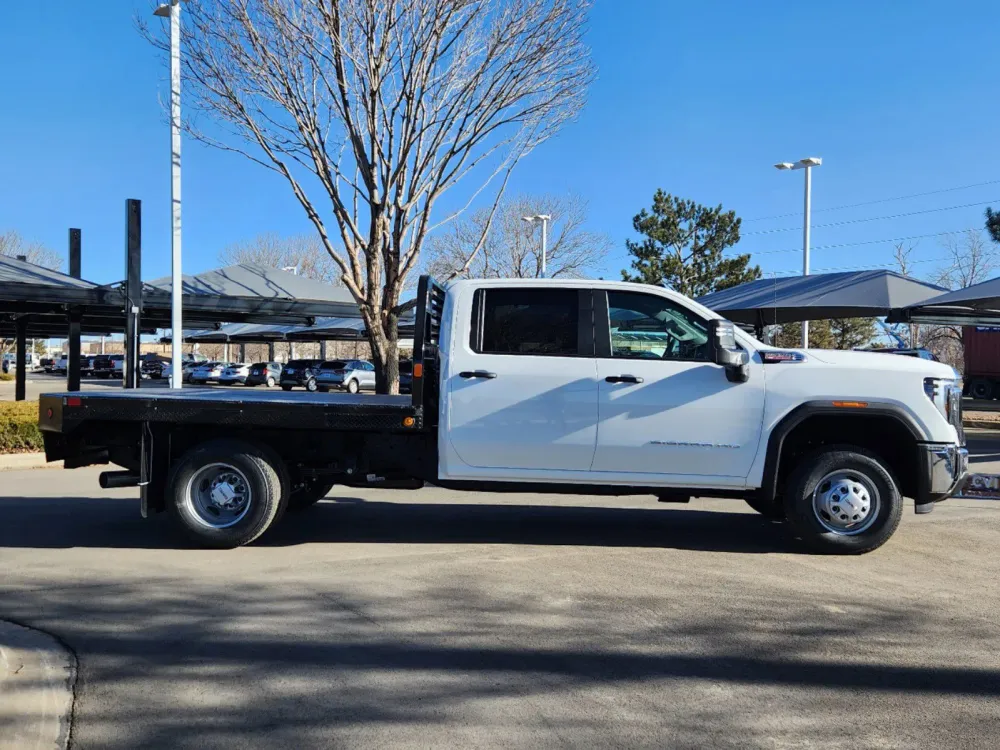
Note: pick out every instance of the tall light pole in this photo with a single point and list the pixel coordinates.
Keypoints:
(544, 218)
(172, 10)
(806, 164)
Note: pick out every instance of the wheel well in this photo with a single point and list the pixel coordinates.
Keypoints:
(884, 435)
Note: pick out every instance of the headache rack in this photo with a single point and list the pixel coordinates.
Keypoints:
(426, 335)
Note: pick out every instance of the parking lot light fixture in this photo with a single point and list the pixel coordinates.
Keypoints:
(544, 218)
(807, 164)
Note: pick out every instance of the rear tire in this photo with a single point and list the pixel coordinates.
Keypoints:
(226, 493)
(311, 385)
(843, 500)
(286, 387)
(270, 382)
(981, 388)
(308, 494)
(771, 509)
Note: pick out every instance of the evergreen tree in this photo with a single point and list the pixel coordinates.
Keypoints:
(839, 333)
(993, 224)
(682, 247)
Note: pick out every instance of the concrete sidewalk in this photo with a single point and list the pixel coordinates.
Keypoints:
(37, 678)
(21, 461)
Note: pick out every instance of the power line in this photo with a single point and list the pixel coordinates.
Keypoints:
(852, 268)
(881, 200)
(872, 218)
(858, 244)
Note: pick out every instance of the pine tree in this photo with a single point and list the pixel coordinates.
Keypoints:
(683, 245)
(839, 333)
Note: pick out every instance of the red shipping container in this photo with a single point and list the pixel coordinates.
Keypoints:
(982, 360)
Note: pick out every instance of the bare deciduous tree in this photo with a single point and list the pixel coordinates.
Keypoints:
(371, 110)
(901, 254)
(13, 244)
(512, 248)
(971, 259)
(303, 252)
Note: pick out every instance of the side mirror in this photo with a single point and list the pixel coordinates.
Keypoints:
(727, 353)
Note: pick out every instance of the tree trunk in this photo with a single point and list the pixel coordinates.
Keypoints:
(384, 339)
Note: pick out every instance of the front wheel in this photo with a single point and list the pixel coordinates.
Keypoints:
(270, 382)
(352, 386)
(843, 500)
(226, 493)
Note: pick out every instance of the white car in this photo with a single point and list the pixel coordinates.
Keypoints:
(208, 372)
(352, 375)
(237, 372)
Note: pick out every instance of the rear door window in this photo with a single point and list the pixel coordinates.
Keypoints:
(539, 322)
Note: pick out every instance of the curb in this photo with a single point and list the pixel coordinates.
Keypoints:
(19, 461)
(982, 424)
(37, 678)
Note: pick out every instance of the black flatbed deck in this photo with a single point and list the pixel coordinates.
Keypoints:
(60, 412)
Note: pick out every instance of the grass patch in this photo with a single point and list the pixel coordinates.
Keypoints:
(6, 377)
(19, 427)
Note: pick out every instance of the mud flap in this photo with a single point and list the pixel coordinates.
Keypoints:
(154, 464)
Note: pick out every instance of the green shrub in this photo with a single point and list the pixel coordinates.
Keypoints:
(19, 427)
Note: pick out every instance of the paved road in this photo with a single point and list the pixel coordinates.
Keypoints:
(443, 619)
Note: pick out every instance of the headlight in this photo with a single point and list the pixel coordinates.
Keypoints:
(945, 394)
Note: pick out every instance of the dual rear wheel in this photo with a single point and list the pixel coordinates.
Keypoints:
(227, 493)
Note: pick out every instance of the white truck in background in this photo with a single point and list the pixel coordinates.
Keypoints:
(564, 386)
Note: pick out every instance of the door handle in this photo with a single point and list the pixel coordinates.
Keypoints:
(622, 379)
(477, 374)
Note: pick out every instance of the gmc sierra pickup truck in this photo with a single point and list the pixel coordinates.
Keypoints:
(569, 386)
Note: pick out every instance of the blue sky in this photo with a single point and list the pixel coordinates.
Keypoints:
(699, 99)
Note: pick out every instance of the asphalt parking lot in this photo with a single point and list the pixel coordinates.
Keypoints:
(446, 619)
(40, 382)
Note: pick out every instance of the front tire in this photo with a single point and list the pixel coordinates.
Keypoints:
(270, 382)
(226, 493)
(843, 500)
(352, 386)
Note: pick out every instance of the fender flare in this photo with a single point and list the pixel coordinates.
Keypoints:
(798, 415)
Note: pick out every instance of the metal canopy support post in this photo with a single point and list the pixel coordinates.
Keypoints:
(243, 352)
(133, 290)
(73, 317)
(21, 352)
(322, 350)
(270, 351)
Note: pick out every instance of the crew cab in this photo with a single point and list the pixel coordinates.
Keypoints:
(569, 386)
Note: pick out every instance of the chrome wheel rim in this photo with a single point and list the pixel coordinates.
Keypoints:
(846, 502)
(219, 495)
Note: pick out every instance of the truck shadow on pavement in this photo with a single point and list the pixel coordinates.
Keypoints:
(403, 661)
(47, 522)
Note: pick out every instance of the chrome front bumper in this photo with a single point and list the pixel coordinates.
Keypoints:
(943, 470)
